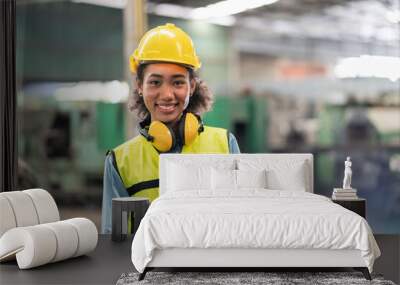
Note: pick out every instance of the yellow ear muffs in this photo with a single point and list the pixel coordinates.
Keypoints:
(190, 127)
(161, 136)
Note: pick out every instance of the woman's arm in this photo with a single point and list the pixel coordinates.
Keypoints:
(233, 145)
(112, 188)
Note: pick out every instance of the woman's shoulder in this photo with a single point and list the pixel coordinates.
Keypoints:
(215, 129)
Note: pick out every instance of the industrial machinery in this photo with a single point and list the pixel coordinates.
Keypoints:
(244, 116)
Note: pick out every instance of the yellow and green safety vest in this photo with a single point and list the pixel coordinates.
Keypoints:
(136, 160)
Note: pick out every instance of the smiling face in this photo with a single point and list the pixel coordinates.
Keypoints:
(165, 87)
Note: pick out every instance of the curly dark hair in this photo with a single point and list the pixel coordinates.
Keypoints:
(200, 102)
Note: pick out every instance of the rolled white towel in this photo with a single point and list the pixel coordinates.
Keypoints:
(87, 235)
(33, 246)
(23, 208)
(66, 238)
(7, 218)
(26, 208)
(40, 244)
(45, 205)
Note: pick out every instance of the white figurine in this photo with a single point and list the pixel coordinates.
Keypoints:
(347, 174)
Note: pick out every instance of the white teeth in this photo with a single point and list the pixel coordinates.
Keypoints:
(166, 107)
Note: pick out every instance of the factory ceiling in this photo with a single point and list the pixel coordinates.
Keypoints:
(328, 28)
(320, 29)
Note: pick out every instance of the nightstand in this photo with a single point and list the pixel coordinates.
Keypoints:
(358, 206)
(122, 208)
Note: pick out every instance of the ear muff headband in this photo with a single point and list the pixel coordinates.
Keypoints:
(163, 138)
(144, 132)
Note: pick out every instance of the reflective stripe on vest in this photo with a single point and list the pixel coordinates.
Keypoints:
(137, 160)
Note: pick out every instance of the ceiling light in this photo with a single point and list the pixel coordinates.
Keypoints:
(393, 16)
(119, 4)
(227, 8)
(177, 11)
(369, 66)
(111, 92)
(170, 10)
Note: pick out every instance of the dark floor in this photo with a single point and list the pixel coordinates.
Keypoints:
(91, 213)
(388, 264)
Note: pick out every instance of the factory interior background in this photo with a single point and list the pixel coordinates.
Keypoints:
(321, 77)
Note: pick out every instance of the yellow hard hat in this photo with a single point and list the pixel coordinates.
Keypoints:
(165, 43)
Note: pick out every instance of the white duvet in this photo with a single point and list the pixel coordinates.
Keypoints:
(252, 218)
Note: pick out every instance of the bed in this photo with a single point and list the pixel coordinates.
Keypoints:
(247, 210)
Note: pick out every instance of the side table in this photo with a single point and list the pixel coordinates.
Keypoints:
(358, 205)
(121, 210)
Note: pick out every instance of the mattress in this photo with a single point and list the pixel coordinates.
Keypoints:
(250, 219)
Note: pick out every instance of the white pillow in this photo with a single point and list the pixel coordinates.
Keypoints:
(202, 160)
(281, 174)
(228, 179)
(251, 178)
(223, 179)
(293, 180)
(182, 177)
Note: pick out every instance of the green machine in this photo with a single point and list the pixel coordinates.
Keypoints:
(246, 117)
(64, 144)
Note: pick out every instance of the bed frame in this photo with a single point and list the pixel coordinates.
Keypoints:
(242, 259)
(251, 258)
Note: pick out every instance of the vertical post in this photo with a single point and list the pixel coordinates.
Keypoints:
(8, 98)
(135, 25)
(116, 231)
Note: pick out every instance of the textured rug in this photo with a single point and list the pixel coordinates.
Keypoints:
(269, 278)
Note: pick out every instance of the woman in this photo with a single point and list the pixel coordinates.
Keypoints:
(169, 98)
